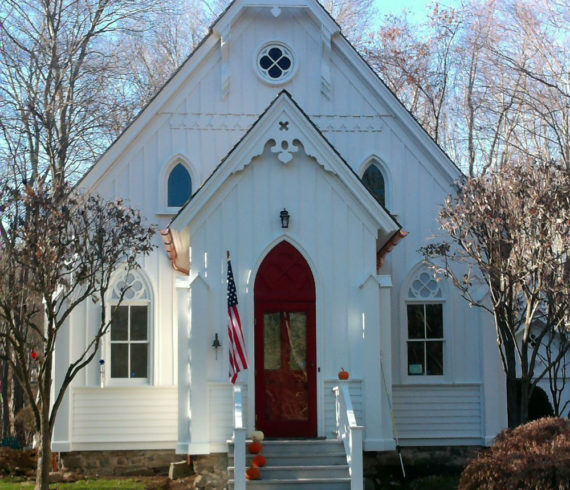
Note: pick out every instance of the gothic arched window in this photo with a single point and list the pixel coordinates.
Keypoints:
(179, 186)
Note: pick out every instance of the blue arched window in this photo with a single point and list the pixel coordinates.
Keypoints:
(375, 183)
(179, 186)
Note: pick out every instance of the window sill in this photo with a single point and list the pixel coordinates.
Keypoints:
(135, 383)
(168, 211)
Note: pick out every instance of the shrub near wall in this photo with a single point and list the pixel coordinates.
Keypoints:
(533, 456)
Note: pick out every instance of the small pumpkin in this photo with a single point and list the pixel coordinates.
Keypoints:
(259, 461)
(253, 473)
(257, 435)
(343, 374)
(255, 447)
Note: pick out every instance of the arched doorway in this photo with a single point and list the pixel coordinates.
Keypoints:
(285, 345)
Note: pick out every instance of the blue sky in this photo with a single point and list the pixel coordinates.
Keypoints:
(417, 8)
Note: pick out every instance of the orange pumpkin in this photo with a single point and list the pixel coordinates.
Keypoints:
(255, 447)
(259, 461)
(253, 473)
(343, 374)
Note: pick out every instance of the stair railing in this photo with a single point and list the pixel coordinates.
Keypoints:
(239, 440)
(350, 434)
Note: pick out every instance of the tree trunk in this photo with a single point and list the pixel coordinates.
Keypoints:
(5, 397)
(513, 399)
(525, 390)
(18, 397)
(44, 452)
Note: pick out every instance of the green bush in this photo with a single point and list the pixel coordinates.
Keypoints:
(533, 456)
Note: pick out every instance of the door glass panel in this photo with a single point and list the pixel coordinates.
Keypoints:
(272, 341)
(297, 330)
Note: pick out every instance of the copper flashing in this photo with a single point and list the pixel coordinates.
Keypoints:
(386, 249)
(168, 241)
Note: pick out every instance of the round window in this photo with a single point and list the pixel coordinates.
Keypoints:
(275, 63)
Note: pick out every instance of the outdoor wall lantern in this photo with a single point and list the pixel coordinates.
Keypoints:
(216, 344)
(284, 215)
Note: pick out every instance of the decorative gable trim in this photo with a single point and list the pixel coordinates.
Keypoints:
(284, 126)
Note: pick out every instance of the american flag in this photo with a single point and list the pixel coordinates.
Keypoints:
(238, 356)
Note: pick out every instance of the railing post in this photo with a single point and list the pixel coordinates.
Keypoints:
(239, 441)
(350, 434)
(356, 470)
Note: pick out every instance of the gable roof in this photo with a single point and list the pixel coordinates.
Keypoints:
(284, 110)
(217, 31)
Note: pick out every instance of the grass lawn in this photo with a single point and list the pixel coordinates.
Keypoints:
(6, 484)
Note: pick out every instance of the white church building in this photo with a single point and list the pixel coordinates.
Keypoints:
(275, 117)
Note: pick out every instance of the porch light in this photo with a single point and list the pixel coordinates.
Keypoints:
(284, 215)
(216, 344)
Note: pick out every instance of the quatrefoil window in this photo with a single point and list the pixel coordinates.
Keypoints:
(134, 287)
(275, 63)
(424, 286)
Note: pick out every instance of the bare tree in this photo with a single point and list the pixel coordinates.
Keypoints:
(489, 81)
(63, 249)
(509, 229)
(56, 66)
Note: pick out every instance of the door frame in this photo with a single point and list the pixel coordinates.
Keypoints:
(319, 376)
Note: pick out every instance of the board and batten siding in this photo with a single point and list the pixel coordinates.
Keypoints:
(438, 415)
(126, 417)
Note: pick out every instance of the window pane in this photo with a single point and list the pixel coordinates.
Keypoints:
(272, 341)
(119, 361)
(374, 182)
(434, 351)
(297, 341)
(416, 322)
(139, 360)
(120, 323)
(415, 358)
(434, 321)
(179, 186)
(139, 318)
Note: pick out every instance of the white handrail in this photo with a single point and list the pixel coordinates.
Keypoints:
(239, 440)
(350, 434)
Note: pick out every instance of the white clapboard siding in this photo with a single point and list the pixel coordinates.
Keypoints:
(355, 388)
(125, 415)
(431, 414)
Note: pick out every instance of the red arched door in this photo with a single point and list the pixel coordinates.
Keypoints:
(285, 345)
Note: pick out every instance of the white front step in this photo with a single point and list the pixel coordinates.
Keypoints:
(315, 464)
(300, 484)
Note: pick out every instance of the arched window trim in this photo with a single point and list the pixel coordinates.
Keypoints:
(438, 296)
(380, 165)
(141, 297)
(164, 208)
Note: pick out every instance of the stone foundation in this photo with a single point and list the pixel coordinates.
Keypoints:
(118, 463)
(209, 471)
(383, 469)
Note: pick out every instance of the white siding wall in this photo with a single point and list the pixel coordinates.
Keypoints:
(438, 415)
(127, 418)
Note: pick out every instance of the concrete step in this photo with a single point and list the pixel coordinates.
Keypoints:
(297, 460)
(298, 447)
(272, 472)
(314, 464)
(300, 484)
